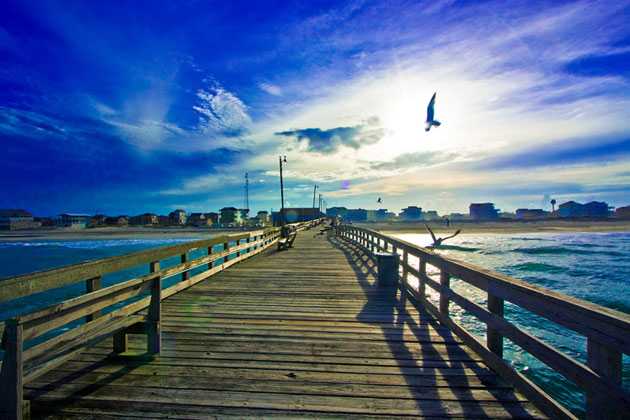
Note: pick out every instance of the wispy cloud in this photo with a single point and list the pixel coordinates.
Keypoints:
(222, 113)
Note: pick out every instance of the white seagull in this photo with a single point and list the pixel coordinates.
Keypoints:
(438, 241)
(430, 113)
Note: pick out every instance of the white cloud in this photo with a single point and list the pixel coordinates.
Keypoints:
(222, 113)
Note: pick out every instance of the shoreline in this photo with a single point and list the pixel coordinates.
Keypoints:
(438, 226)
(506, 227)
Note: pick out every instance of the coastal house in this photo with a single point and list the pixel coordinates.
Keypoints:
(146, 219)
(232, 215)
(411, 213)
(120, 221)
(430, 215)
(483, 211)
(198, 219)
(357, 215)
(16, 219)
(177, 217)
(296, 214)
(570, 209)
(98, 220)
(263, 217)
(531, 214)
(622, 212)
(72, 220)
(339, 212)
(382, 215)
(597, 209)
(212, 217)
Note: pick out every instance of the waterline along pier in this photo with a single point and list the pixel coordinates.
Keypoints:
(336, 326)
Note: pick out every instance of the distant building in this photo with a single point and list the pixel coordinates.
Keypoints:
(98, 220)
(570, 209)
(622, 212)
(119, 221)
(483, 211)
(164, 220)
(146, 219)
(507, 215)
(339, 212)
(263, 217)
(198, 219)
(177, 217)
(597, 209)
(72, 220)
(357, 215)
(382, 215)
(457, 216)
(16, 219)
(411, 213)
(531, 214)
(212, 216)
(232, 215)
(296, 214)
(430, 215)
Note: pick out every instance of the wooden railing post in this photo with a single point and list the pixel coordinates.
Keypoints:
(248, 240)
(405, 266)
(11, 377)
(445, 281)
(185, 259)
(226, 245)
(154, 338)
(423, 274)
(494, 340)
(607, 362)
(210, 252)
(92, 285)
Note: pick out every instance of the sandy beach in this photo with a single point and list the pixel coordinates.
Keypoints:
(507, 226)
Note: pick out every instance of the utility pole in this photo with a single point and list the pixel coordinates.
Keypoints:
(246, 191)
(314, 188)
(281, 159)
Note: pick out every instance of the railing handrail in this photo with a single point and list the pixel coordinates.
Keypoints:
(27, 284)
(607, 330)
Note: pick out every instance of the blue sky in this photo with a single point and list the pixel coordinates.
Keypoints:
(132, 107)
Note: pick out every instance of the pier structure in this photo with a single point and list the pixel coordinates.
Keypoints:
(337, 326)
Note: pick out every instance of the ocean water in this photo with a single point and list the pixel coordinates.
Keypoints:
(591, 266)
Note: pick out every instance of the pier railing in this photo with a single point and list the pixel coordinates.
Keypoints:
(607, 331)
(134, 305)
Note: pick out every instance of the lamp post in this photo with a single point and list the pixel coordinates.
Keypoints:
(314, 188)
(282, 159)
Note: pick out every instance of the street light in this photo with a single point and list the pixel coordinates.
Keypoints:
(314, 188)
(282, 159)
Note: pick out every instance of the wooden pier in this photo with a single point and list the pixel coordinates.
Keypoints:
(301, 333)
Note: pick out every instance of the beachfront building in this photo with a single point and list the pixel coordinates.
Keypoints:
(146, 219)
(597, 209)
(457, 216)
(198, 219)
(263, 217)
(411, 213)
(531, 214)
(338, 212)
(233, 216)
(120, 221)
(430, 215)
(177, 217)
(382, 215)
(622, 212)
(296, 215)
(16, 219)
(357, 215)
(72, 220)
(483, 211)
(212, 216)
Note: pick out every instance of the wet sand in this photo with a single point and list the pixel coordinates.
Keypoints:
(509, 226)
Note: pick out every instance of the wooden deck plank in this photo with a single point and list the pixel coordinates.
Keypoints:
(302, 333)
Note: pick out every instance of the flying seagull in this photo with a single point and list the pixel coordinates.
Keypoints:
(430, 113)
(438, 241)
(379, 200)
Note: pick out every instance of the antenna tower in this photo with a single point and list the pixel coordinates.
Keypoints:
(246, 191)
